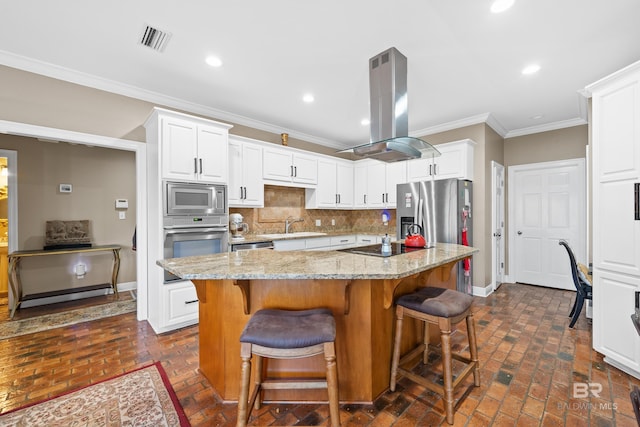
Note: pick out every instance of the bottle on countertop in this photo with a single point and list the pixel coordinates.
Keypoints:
(386, 245)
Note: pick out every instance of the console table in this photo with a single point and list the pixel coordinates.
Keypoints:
(15, 286)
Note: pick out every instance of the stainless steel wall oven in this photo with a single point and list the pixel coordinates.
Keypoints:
(196, 221)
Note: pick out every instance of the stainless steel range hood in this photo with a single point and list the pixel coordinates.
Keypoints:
(389, 118)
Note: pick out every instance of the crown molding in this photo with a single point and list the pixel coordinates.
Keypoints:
(546, 127)
(486, 118)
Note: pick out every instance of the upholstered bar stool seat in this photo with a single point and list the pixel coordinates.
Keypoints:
(445, 308)
(288, 334)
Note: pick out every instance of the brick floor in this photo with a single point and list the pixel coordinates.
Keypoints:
(529, 359)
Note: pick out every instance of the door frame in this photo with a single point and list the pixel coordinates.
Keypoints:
(497, 168)
(140, 149)
(12, 201)
(579, 249)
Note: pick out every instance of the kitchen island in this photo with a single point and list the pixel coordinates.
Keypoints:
(359, 289)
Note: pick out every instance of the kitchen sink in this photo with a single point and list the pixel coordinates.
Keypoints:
(292, 235)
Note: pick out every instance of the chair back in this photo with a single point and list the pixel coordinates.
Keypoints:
(581, 287)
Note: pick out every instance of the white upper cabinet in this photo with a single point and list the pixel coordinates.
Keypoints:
(246, 188)
(456, 161)
(284, 165)
(193, 150)
(335, 185)
(375, 183)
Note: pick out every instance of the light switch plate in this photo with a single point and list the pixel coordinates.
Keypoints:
(122, 215)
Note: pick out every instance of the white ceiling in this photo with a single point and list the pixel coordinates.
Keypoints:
(464, 62)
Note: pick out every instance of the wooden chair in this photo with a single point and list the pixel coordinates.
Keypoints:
(287, 334)
(444, 308)
(582, 282)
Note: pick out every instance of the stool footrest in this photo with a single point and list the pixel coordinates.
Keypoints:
(287, 384)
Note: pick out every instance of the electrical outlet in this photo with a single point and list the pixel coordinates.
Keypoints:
(122, 215)
(318, 223)
(333, 222)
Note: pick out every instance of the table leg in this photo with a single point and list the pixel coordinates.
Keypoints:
(15, 287)
(116, 269)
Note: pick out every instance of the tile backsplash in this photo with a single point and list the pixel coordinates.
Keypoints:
(282, 202)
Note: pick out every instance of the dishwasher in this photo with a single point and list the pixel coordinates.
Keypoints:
(253, 245)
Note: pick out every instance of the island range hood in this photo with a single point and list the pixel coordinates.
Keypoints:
(389, 118)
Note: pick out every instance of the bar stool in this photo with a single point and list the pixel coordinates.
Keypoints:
(286, 334)
(442, 307)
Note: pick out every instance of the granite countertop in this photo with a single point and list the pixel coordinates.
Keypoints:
(270, 264)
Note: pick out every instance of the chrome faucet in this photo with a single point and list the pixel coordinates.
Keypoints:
(289, 222)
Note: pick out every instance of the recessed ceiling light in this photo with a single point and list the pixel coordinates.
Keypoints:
(499, 6)
(213, 61)
(536, 117)
(308, 98)
(531, 69)
(365, 122)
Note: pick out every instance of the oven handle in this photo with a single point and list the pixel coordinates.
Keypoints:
(195, 230)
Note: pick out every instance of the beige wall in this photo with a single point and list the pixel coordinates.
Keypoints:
(98, 177)
(561, 144)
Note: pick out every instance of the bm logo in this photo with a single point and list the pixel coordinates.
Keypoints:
(584, 390)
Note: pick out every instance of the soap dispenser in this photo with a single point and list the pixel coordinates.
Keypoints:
(386, 245)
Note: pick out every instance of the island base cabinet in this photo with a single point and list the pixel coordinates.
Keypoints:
(365, 321)
(614, 335)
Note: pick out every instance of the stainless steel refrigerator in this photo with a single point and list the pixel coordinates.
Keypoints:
(443, 209)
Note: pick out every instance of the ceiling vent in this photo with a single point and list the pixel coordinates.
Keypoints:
(154, 38)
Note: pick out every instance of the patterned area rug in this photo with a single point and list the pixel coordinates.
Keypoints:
(14, 328)
(143, 397)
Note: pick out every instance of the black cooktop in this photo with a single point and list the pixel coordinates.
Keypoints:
(376, 250)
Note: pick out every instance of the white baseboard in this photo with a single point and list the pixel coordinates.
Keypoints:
(122, 287)
(479, 291)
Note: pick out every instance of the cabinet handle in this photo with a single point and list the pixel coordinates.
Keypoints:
(365, 199)
(191, 302)
(291, 170)
(344, 240)
(195, 165)
(637, 203)
(295, 171)
(338, 198)
(245, 193)
(435, 169)
(200, 166)
(365, 240)
(430, 170)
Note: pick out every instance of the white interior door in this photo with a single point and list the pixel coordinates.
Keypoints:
(547, 203)
(497, 215)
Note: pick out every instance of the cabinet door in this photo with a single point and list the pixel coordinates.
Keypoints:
(305, 169)
(252, 175)
(376, 184)
(616, 168)
(613, 304)
(419, 169)
(212, 154)
(452, 163)
(326, 196)
(360, 185)
(277, 165)
(344, 184)
(179, 149)
(235, 190)
(396, 174)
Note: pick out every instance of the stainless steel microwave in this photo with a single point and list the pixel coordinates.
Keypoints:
(187, 198)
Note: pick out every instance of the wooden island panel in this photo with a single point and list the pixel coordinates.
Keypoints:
(364, 329)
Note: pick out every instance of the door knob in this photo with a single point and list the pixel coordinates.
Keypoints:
(519, 233)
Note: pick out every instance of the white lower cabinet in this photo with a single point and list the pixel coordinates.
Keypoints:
(368, 239)
(181, 305)
(289, 245)
(613, 332)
